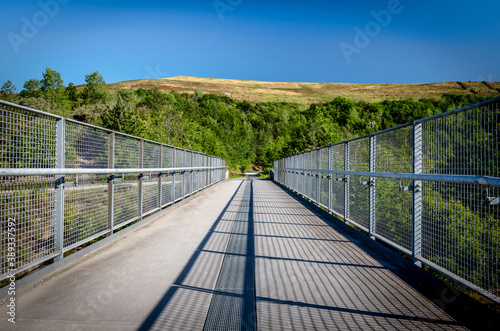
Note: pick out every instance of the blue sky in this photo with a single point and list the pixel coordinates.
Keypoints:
(413, 41)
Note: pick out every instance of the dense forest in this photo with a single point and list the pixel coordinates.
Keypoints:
(245, 133)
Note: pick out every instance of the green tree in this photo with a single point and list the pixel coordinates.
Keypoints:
(32, 88)
(51, 81)
(8, 90)
(95, 89)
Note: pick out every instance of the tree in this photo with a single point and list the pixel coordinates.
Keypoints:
(8, 90)
(72, 94)
(51, 81)
(31, 88)
(53, 91)
(95, 89)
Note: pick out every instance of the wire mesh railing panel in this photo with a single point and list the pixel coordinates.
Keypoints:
(85, 208)
(27, 211)
(338, 187)
(324, 190)
(166, 190)
(393, 208)
(150, 193)
(460, 229)
(462, 235)
(126, 152)
(179, 158)
(463, 143)
(167, 157)
(151, 155)
(393, 212)
(28, 140)
(359, 160)
(126, 199)
(85, 147)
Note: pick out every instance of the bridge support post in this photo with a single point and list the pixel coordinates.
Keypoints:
(330, 178)
(160, 189)
(372, 216)
(141, 164)
(417, 194)
(111, 186)
(59, 190)
(346, 183)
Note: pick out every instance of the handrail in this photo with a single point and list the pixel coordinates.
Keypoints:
(455, 179)
(93, 171)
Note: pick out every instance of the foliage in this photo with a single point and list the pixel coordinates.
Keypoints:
(8, 90)
(245, 133)
(95, 89)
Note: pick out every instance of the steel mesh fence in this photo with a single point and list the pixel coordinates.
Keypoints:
(150, 193)
(126, 199)
(324, 190)
(52, 207)
(359, 158)
(338, 187)
(28, 140)
(460, 231)
(394, 153)
(85, 208)
(85, 147)
(151, 155)
(27, 202)
(421, 188)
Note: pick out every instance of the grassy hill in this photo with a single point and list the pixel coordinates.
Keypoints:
(307, 93)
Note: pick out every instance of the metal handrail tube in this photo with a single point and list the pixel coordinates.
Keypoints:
(80, 171)
(455, 179)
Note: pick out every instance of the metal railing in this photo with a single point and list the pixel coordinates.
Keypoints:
(430, 189)
(64, 183)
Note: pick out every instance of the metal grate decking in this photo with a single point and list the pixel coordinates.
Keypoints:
(245, 255)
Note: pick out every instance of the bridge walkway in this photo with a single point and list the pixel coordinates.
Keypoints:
(244, 254)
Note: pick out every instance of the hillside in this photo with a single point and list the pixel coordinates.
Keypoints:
(307, 93)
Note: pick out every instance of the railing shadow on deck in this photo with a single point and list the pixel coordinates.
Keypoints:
(192, 291)
(441, 294)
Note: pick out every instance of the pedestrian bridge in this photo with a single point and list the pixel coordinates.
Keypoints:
(106, 231)
(242, 255)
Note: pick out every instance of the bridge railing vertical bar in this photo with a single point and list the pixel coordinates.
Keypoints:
(111, 190)
(372, 187)
(60, 186)
(417, 194)
(437, 193)
(59, 189)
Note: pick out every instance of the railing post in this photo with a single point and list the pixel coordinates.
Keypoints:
(183, 173)
(111, 187)
(346, 183)
(330, 178)
(59, 190)
(141, 166)
(417, 194)
(160, 189)
(174, 162)
(318, 178)
(372, 216)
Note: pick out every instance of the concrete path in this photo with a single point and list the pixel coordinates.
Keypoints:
(242, 255)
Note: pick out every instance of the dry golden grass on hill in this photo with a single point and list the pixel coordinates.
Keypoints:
(306, 93)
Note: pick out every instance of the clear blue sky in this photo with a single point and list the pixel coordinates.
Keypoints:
(305, 41)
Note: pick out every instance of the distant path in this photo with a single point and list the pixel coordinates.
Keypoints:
(244, 254)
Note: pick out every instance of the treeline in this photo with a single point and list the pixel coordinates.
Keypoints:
(245, 133)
